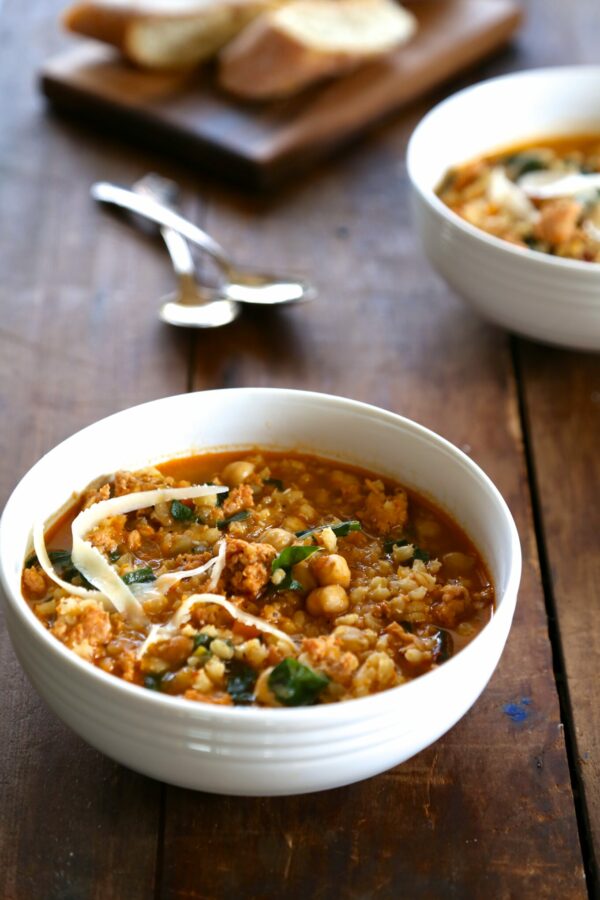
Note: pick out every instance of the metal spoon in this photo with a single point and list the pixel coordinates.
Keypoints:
(192, 305)
(547, 185)
(241, 285)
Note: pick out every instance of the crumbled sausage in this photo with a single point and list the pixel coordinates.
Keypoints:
(248, 567)
(239, 498)
(134, 540)
(146, 480)
(326, 655)
(83, 625)
(453, 605)
(188, 561)
(382, 513)
(35, 580)
(558, 221)
(109, 534)
(95, 496)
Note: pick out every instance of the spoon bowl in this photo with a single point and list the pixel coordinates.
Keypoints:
(266, 289)
(210, 313)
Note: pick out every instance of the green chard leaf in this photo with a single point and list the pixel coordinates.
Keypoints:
(240, 684)
(276, 482)
(444, 646)
(114, 555)
(202, 640)
(418, 552)
(522, 163)
(143, 575)
(181, 512)
(295, 684)
(421, 554)
(63, 566)
(292, 555)
(286, 560)
(342, 529)
(236, 517)
(153, 682)
(60, 559)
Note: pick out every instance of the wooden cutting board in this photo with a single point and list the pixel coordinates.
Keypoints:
(260, 145)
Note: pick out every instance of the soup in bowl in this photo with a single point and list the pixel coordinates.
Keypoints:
(528, 264)
(258, 591)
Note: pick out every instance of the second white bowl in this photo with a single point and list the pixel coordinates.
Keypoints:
(544, 297)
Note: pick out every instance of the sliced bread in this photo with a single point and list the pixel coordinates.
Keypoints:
(164, 34)
(287, 49)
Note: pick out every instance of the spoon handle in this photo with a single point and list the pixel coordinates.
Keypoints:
(164, 191)
(182, 259)
(156, 212)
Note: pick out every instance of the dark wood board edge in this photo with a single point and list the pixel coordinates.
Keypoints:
(121, 122)
(249, 169)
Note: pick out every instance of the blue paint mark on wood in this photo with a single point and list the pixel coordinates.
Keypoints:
(516, 712)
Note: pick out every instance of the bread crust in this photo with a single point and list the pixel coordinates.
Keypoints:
(163, 38)
(103, 23)
(270, 60)
(265, 64)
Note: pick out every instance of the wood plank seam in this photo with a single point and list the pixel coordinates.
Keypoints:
(590, 861)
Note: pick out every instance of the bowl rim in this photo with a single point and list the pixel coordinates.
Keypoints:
(329, 713)
(527, 255)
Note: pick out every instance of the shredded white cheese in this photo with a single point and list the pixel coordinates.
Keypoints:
(112, 589)
(592, 230)
(505, 194)
(92, 564)
(183, 613)
(155, 634)
(159, 633)
(39, 545)
(219, 566)
(164, 582)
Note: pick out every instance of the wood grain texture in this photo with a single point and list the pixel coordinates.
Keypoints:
(387, 331)
(260, 145)
(561, 398)
(78, 340)
(488, 810)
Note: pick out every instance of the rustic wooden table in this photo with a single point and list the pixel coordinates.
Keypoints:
(504, 805)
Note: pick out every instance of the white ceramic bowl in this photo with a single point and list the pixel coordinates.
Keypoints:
(544, 297)
(259, 751)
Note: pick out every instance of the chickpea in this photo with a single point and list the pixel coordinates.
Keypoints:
(278, 538)
(236, 472)
(294, 523)
(457, 564)
(302, 573)
(332, 569)
(330, 600)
